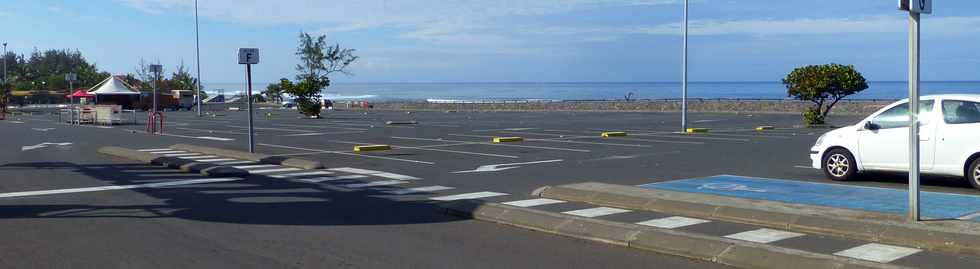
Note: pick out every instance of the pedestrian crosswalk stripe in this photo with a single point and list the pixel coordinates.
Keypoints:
(764, 235)
(419, 190)
(375, 184)
(672, 222)
(878, 252)
(151, 150)
(464, 196)
(596, 212)
(533, 202)
(322, 179)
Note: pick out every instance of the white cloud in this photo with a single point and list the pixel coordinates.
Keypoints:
(56, 8)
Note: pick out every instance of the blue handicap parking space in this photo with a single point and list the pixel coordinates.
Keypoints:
(934, 205)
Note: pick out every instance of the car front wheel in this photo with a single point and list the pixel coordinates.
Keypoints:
(973, 174)
(839, 165)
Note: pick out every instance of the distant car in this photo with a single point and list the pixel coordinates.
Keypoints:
(949, 140)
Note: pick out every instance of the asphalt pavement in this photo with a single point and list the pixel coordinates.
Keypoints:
(57, 220)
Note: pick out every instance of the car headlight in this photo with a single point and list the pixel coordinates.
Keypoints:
(820, 140)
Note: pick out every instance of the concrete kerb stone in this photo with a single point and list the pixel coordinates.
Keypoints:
(205, 169)
(950, 236)
(696, 246)
(255, 157)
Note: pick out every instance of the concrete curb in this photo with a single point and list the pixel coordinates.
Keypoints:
(261, 158)
(730, 252)
(949, 236)
(205, 169)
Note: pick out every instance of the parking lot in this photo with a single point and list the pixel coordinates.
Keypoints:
(374, 201)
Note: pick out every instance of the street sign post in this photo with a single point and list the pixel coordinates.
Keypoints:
(156, 69)
(915, 9)
(248, 57)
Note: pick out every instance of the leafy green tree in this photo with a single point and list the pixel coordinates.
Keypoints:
(273, 92)
(317, 62)
(824, 86)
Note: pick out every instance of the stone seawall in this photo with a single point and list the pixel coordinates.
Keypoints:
(714, 106)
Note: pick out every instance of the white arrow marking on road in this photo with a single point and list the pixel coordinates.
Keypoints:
(43, 145)
(502, 167)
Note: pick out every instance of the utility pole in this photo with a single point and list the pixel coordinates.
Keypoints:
(684, 75)
(197, 37)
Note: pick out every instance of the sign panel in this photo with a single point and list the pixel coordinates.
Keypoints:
(71, 77)
(156, 68)
(916, 6)
(248, 56)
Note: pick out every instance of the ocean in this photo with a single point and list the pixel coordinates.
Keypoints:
(886, 90)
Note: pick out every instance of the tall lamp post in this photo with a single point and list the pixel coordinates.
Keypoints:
(915, 9)
(4, 62)
(684, 75)
(197, 39)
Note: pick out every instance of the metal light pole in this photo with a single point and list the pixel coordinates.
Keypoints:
(684, 75)
(4, 62)
(915, 9)
(197, 37)
(914, 117)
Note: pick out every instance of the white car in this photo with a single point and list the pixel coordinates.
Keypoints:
(949, 140)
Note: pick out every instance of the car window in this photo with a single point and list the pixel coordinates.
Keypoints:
(898, 116)
(961, 112)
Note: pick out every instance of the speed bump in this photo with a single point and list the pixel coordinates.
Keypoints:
(507, 139)
(371, 148)
(697, 130)
(613, 134)
(764, 128)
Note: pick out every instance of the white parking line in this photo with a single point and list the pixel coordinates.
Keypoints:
(235, 162)
(764, 236)
(430, 149)
(270, 171)
(302, 174)
(694, 137)
(181, 154)
(373, 173)
(878, 252)
(216, 160)
(466, 196)
(215, 138)
(419, 189)
(348, 154)
(118, 187)
(322, 179)
(168, 152)
(488, 143)
(152, 150)
(257, 166)
(596, 212)
(672, 222)
(534, 202)
(198, 157)
(375, 184)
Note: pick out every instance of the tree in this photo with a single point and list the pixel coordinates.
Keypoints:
(273, 92)
(824, 86)
(317, 62)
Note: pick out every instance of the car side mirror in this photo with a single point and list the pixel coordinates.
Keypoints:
(871, 126)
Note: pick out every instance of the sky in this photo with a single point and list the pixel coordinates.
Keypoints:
(507, 40)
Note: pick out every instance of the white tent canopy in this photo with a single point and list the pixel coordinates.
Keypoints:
(113, 86)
